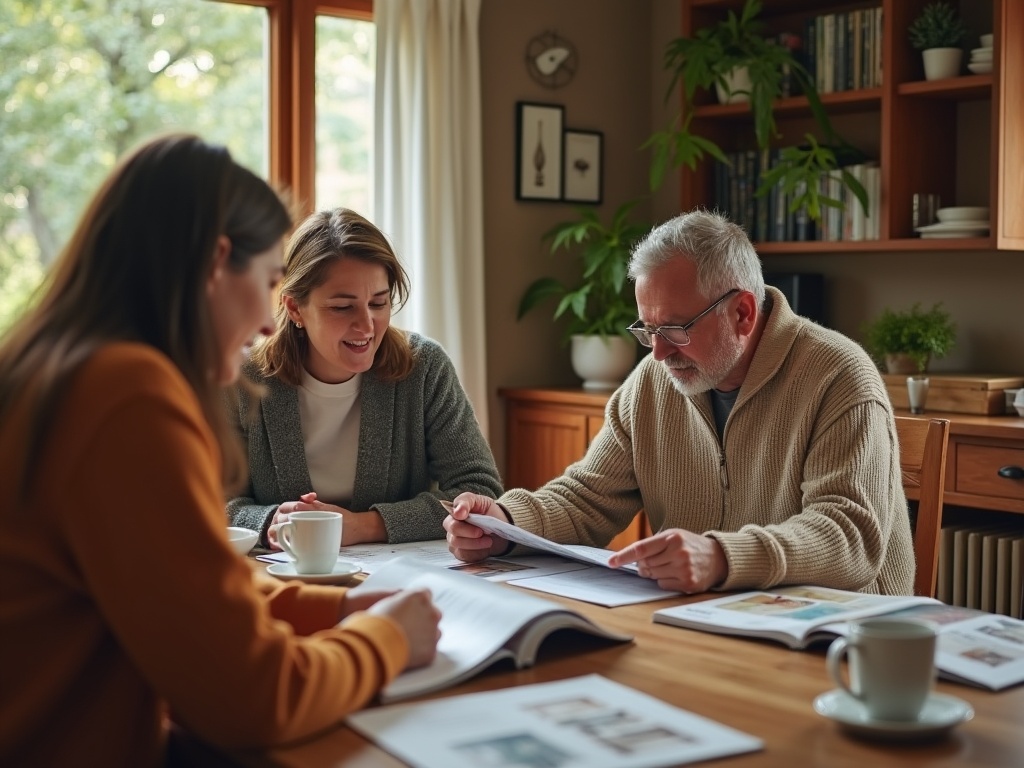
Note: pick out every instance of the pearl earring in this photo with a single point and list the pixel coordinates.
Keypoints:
(298, 325)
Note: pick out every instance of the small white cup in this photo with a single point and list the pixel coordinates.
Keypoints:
(892, 666)
(917, 389)
(312, 539)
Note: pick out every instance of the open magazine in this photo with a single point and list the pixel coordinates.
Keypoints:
(974, 647)
(481, 623)
(583, 721)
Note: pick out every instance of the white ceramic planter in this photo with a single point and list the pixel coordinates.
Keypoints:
(940, 63)
(602, 363)
(738, 82)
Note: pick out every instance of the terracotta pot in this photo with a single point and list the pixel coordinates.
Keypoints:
(901, 363)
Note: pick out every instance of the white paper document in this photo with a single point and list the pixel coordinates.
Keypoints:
(591, 555)
(582, 722)
(369, 557)
(593, 584)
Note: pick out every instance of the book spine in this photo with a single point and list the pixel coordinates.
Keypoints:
(879, 32)
(856, 26)
(810, 54)
(762, 202)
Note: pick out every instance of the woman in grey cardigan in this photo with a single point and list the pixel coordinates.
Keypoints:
(358, 417)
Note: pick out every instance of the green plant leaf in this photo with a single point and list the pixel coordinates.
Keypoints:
(539, 291)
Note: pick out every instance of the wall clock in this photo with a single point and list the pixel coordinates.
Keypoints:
(551, 60)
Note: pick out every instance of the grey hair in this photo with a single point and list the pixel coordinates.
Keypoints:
(720, 250)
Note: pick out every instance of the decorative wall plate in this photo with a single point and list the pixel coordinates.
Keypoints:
(551, 60)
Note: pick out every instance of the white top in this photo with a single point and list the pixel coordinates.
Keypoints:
(329, 414)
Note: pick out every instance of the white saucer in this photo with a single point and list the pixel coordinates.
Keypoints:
(950, 226)
(941, 713)
(342, 571)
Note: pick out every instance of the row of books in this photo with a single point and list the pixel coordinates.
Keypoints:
(767, 218)
(843, 51)
(980, 566)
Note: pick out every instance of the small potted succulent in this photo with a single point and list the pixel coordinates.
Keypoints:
(904, 342)
(938, 33)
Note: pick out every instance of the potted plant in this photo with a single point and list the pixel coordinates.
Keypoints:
(938, 33)
(733, 57)
(602, 303)
(905, 341)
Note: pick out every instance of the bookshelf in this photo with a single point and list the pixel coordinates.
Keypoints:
(924, 134)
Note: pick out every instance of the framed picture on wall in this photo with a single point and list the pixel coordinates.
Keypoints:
(583, 166)
(539, 151)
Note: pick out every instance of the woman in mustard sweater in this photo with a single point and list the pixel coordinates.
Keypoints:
(114, 448)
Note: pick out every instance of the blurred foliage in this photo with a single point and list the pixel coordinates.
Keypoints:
(81, 81)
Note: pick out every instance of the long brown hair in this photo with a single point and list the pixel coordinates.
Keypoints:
(136, 269)
(318, 242)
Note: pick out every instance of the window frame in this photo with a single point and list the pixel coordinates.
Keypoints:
(292, 88)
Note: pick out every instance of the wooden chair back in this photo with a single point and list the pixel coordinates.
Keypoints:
(923, 464)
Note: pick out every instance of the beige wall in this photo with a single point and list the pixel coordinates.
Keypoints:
(612, 92)
(618, 89)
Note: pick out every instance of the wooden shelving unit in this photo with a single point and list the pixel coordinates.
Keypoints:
(910, 125)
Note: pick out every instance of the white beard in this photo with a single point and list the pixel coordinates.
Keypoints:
(701, 378)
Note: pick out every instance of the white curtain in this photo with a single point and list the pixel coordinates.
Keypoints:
(429, 174)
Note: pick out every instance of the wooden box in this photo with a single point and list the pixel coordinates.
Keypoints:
(956, 392)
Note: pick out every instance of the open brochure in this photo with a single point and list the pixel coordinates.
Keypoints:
(584, 554)
(974, 647)
(795, 616)
(480, 624)
(583, 721)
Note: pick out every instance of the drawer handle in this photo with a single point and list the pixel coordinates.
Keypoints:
(1012, 473)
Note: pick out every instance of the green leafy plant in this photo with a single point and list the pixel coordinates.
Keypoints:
(916, 333)
(708, 59)
(603, 302)
(938, 26)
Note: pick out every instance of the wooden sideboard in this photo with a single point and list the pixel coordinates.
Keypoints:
(984, 462)
(549, 429)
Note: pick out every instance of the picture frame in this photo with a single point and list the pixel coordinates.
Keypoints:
(539, 151)
(583, 175)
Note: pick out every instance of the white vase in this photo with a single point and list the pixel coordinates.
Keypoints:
(602, 362)
(940, 63)
(738, 86)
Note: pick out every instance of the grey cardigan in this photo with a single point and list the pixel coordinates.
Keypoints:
(419, 442)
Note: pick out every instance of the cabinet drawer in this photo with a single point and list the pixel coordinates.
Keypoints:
(977, 471)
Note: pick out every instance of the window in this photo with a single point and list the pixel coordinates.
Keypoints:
(83, 82)
(344, 113)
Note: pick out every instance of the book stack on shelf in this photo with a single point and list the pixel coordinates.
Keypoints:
(767, 218)
(843, 50)
(922, 134)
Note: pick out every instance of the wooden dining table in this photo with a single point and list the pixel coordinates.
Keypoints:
(756, 686)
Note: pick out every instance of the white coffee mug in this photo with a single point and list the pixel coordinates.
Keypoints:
(312, 539)
(891, 664)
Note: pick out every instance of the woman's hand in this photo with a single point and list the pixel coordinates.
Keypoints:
(356, 527)
(414, 611)
(307, 503)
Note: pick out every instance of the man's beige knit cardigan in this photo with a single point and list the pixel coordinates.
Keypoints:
(804, 488)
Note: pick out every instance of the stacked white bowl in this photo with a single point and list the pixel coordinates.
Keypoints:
(981, 58)
(961, 221)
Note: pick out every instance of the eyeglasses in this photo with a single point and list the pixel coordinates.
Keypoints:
(673, 334)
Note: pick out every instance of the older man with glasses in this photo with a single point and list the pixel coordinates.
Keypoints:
(761, 446)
